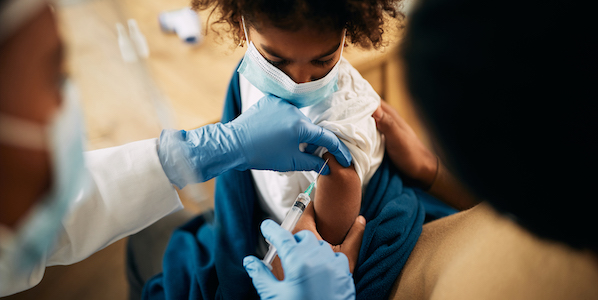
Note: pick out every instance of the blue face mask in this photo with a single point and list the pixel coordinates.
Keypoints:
(271, 80)
(25, 247)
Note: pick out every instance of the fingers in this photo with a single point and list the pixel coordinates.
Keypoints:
(311, 149)
(310, 162)
(379, 112)
(308, 238)
(259, 273)
(388, 109)
(385, 122)
(280, 238)
(355, 235)
(352, 244)
(342, 260)
(285, 243)
(308, 221)
(316, 135)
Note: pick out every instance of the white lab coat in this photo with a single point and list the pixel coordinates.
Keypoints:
(128, 192)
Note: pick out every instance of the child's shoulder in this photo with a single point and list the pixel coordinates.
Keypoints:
(351, 83)
(354, 100)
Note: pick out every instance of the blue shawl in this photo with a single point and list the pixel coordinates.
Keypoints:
(204, 257)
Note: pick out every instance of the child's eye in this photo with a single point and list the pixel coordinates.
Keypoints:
(277, 63)
(322, 63)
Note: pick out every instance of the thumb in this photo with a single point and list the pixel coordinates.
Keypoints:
(316, 135)
(262, 277)
(384, 121)
(310, 162)
(352, 244)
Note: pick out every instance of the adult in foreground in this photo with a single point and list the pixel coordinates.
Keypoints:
(507, 94)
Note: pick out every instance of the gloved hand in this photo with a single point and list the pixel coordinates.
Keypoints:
(265, 137)
(311, 269)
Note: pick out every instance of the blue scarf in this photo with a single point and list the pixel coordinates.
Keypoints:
(203, 259)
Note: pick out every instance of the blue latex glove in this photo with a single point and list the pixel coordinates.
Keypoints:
(265, 137)
(311, 269)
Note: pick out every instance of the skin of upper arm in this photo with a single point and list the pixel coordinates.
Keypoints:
(334, 208)
(337, 201)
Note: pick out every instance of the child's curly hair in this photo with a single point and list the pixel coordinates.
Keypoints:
(363, 19)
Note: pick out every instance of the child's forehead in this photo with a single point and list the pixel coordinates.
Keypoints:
(307, 41)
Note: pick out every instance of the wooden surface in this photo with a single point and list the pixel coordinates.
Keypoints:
(119, 106)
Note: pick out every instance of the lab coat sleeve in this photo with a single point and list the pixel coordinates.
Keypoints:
(127, 192)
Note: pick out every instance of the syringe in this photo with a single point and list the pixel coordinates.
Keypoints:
(293, 216)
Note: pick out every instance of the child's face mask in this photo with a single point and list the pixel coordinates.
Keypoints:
(271, 80)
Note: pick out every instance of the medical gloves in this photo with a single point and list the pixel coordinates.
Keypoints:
(311, 269)
(265, 137)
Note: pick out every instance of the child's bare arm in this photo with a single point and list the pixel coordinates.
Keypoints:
(331, 215)
(337, 201)
(333, 212)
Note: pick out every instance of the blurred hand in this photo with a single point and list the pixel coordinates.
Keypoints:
(404, 148)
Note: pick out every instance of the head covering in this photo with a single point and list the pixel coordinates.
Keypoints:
(14, 13)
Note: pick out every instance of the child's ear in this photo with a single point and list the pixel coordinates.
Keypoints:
(241, 32)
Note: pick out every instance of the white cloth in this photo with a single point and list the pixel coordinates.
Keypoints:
(348, 114)
(129, 191)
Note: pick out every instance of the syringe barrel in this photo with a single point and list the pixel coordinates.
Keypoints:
(269, 257)
(295, 212)
(289, 223)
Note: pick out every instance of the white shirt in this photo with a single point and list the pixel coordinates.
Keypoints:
(129, 191)
(347, 113)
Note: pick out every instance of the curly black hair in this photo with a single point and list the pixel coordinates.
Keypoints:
(363, 19)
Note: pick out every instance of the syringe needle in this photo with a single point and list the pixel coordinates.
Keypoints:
(321, 169)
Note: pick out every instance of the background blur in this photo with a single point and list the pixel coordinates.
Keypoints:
(186, 83)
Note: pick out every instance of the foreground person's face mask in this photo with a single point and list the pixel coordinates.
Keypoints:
(24, 247)
(271, 80)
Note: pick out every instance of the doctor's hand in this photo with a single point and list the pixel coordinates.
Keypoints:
(404, 148)
(265, 137)
(351, 244)
(311, 269)
(271, 131)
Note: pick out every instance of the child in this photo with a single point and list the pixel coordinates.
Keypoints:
(295, 52)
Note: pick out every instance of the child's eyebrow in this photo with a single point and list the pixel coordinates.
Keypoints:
(273, 52)
(329, 52)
